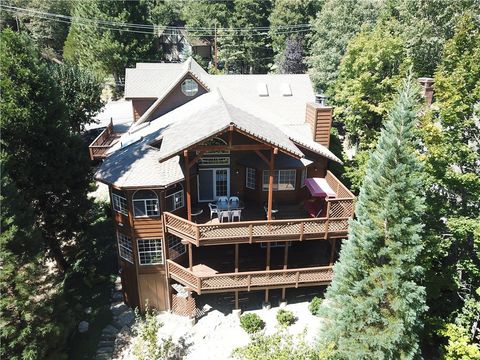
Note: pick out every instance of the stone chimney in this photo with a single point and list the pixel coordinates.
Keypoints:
(426, 84)
(319, 116)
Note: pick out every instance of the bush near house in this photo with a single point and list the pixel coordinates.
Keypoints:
(314, 306)
(251, 323)
(285, 317)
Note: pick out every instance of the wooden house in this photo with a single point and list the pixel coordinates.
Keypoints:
(221, 184)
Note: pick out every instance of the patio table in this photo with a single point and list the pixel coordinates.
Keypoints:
(228, 207)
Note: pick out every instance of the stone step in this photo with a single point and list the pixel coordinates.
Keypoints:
(106, 343)
(105, 350)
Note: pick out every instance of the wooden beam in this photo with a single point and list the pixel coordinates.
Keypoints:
(285, 257)
(236, 257)
(263, 157)
(284, 293)
(270, 183)
(190, 257)
(267, 266)
(245, 147)
(187, 182)
(196, 159)
(332, 252)
(236, 300)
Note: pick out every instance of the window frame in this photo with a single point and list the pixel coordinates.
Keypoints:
(119, 198)
(160, 251)
(188, 90)
(124, 247)
(181, 191)
(250, 174)
(276, 179)
(145, 206)
(169, 238)
(303, 177)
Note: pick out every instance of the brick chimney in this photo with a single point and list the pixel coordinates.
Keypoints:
(319, 117)
(426, 84)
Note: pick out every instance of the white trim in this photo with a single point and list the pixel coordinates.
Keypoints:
(189, 89)
(159, 251)
(144, 200)
(276, 184)
(125, 250)
(119, 198)
(248, 185)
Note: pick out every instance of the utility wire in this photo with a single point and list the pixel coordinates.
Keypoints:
(172, 30)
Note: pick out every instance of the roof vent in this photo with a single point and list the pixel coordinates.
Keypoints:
(286, 89)
(321, 99)
(262, 89)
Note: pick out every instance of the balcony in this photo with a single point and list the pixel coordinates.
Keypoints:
(333, 225)
(107, 138)
(200, 282)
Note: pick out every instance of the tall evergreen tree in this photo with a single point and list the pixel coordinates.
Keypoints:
(44, 159)
(375, 303)
(292, 59)
(336, 23)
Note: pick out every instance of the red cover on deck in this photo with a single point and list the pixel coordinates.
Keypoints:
(319, 187)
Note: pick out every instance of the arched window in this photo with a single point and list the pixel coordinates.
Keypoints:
(145, 203)
(174, 197)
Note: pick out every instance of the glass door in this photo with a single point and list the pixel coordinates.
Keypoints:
(222, 186)
(213, 183)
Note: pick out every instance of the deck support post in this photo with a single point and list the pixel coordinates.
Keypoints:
(283, 295)
(190, 257)
(187, 182)
(236, 257)
(270, 183)
(332, 252)
(285, 256)
(267, 267)
(236, 300)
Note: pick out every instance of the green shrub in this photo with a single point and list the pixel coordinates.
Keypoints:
(251, 323)
(285, 317)
(314, 306)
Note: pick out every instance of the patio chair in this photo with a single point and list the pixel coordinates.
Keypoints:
(222, 201)
(234, 201)
(213, 210)
(223, 215)
(236, 214)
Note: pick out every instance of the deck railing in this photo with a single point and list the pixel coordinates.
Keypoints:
(249, 280)
(104, 141)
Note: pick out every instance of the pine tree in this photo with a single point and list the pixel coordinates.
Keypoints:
(291, 61)
(375, 303)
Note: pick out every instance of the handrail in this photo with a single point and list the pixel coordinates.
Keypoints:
(248, 279)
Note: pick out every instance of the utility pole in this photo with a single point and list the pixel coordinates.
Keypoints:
(215, 60)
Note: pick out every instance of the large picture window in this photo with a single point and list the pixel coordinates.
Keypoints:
(282, 180)
(119, 204)
(175, 247)
(125, 249)
(145, 203)
(174, 197)
(150, 251)
(250, 178)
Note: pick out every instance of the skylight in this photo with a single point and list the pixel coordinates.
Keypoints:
(262, 89)
(286, 89)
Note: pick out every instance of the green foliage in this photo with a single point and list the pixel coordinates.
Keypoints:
(246, 53)
(290, 12)
(291, 61)
(279, 346)
(375, 302)
(251, 323)
(285, 317)
(81, 90)
(460, 346)
(336, 23)
(314, 305)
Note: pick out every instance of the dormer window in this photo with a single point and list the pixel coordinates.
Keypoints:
(189, 87)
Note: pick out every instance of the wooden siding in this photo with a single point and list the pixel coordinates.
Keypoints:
(140, 106)
(154, 290)
(320, 119)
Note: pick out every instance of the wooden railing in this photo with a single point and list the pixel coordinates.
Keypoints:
(104, 141)
(256, 231)
(250, 280)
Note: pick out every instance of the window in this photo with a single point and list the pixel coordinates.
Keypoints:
(282, 180)
(125, 247)
(250, 178)
(216, 141)
(145, 203)
(189, 87)
(119, 204)
(304, 177)
(150, 251)
(174, 197)
(175, 247)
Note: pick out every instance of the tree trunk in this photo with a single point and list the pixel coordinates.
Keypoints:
(56, 253)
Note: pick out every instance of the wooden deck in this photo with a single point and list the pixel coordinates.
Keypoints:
(104, 141)
(249, 280)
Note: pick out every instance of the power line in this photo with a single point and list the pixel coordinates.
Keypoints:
(132, 27)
